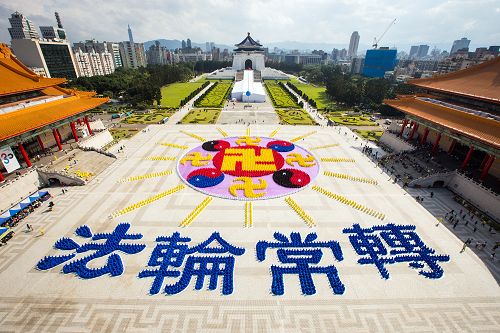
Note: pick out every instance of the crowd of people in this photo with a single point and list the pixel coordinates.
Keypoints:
(22, 214)
(468, 219)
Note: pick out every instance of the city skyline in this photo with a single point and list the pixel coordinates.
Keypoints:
(327, 23)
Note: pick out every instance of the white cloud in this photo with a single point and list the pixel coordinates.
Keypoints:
(227, 21)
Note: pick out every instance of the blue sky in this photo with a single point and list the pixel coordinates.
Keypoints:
(227, 21)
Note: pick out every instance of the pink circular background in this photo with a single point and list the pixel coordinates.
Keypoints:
(273, 190)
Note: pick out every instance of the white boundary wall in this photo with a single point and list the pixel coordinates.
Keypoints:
(97, 141)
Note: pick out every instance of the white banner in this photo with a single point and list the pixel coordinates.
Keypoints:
(9, 160)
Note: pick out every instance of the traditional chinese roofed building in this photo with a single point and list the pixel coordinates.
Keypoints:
(458, 115)
(34, 110)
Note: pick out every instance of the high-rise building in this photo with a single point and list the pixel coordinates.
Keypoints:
(98, 47)
(21, 27)
(378, 61)
(132, 54)
(52, 55)
(157, 54)
(422, 51)
(188, 43)
(413, 52)
(343, 54)
(114, 49)
(92, 58)
(207, 47)
(55, 57)
(212, 45)
(183, 44)
(459, 44)
(353, 45)
(54, 33)
(357, 65)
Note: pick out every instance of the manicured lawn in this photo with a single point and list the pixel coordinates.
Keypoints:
(148, 118)
(370, 135)
(201, 116)
(295, 117)
(173, 94)
(351, 120)
(317, 93)
(122, 133)
(280, 97)
(216, 97)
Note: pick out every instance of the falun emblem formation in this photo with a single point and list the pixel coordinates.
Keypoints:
(248, 168)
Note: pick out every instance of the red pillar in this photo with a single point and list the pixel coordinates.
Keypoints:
(486, 168)
(88, 125)
(78, 121)
(436, 143)
(1, 177)
(58, 141)
(73, 129)
(452, 146)
(405, 122)
(59, 134)
(424, 137)
(415, 128)
(467, 158)
(25, 155)
(485, 159)
(40, 142)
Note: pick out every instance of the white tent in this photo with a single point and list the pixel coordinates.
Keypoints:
(247, 90)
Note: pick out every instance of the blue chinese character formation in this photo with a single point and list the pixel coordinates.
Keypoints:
(405, 244)
(214, 262)
(111, 244)
(299, 256)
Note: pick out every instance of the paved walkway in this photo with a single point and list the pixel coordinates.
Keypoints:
(313, 112)
(441, 203)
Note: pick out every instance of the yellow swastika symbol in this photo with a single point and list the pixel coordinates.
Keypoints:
(249, 161)
(297, 158)
(248, 140)
(197, 159)
(248, 187)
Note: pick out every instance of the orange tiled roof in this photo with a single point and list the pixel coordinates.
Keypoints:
(479, 128)
(25, 120)
(478, 82)
(17, 78)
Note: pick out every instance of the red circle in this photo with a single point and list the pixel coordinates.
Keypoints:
(237, 168)
(300, 178)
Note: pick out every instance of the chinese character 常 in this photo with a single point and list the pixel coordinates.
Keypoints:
(212, 262)
(301, 258)
(403, 245)
(100, 245)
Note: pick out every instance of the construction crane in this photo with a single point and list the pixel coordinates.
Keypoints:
(377, 41)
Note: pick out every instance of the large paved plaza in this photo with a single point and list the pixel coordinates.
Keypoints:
(143, 188)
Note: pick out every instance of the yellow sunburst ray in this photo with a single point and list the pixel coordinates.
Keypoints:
(173, 145)
(221, 131)
(197, 137)
(349, 202)
(325, 146)
(161, 158)
(307, 219)
(349, 177)
(273, 133)
(248, 131)
(303, 136)
(195, 212)
(248, 214)
(338, 159)
(147, 176)
(147, 201)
